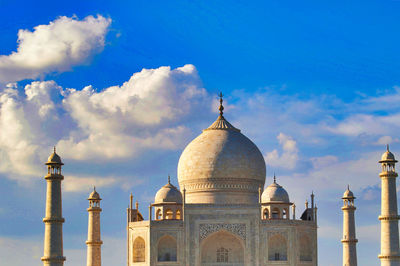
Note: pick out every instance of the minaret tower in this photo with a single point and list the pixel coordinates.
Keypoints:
(53, 236)
(349, 230)
(389, 218)
(94, 242)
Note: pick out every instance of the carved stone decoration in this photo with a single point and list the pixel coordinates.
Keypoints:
(236, 229)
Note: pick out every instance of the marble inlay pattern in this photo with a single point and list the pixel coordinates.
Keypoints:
(237, 229)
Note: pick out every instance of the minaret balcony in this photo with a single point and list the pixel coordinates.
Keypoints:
(53, 220)
(349, 240)
(389, 217)
(54, 177)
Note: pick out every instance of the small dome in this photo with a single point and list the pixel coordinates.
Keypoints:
(94, 195)
(168, 193)
(275, 193)
(348, 194)
(387, 156)
(54, 158)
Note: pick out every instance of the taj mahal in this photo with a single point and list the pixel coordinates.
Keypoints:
(223, 212)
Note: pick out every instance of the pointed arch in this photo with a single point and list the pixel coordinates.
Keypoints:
(266, 214)
(276, 214)
(158, 214)
(222, 247)
(169, 214)
(167, 249)
(139, 250)
(277, 248)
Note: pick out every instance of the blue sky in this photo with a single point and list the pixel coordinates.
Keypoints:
(121, 86)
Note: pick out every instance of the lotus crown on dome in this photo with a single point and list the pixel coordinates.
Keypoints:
(168, 193)
(275, 193)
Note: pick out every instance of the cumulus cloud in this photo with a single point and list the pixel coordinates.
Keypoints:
(386, 140)
(56, 47)
(148, 112)
(289, 157)
(145, 112)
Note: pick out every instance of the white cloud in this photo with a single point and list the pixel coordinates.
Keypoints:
(58, 46)
(148, 112)
(145, 112)
(288, 158)
(84, 183)
(386, 140)
(324, 161)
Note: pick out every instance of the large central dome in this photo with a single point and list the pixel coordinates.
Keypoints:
(221, 166)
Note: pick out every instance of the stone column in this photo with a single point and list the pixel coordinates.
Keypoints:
(53, 236)
(94, 241)
(390, 255)
(349, 230)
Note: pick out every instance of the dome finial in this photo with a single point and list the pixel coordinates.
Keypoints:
(94, 188)
(169, 179)
(387, 147)
(54, 149)
(221, 107)
(274, 178)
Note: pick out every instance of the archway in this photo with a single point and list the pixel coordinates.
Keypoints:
(169, 214)
(158, 214)
(275, 213)
(222, 247)
(167, 249)
(138, 250)
(266, 214)
(277, 247)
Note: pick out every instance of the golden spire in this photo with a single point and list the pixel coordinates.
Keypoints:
(221, 107)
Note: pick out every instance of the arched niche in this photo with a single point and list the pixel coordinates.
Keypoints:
(158, 214)
(222, 247)
(277, 248)
(167, 249)
(265, 214)
(305, 247)
(169, 214)
(138, 250)
(285, 213)
(276, 214)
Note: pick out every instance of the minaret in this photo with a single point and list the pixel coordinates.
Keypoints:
(53, 236)
(94, 242)
(349, 230)
(389, 218)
